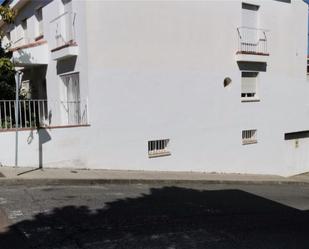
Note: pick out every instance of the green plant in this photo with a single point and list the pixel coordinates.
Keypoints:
(7, 70)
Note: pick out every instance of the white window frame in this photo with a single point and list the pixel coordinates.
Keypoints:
(159, 147)
(249, 136)
(254, 98)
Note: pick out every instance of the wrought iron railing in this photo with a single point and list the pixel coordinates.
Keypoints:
(37, 113)
(63, 29)
(252, 41)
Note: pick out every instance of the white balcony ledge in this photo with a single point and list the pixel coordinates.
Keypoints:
(244, 100)
(64, 52)
(31, 54)
(252, 57)
(252, 44)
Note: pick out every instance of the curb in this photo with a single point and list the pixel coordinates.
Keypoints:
(45, 182)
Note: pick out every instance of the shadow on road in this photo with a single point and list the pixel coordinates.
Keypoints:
(168, 217)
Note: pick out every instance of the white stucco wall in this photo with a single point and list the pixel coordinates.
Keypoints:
(59, 148)
(161, 76)
(155, 69)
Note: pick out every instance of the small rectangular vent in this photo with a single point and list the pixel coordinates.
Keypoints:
(158, 148)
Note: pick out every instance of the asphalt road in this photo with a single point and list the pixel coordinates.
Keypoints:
(143, 216)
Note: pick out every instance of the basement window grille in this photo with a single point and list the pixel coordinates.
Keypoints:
(249, 136)
(157, 148)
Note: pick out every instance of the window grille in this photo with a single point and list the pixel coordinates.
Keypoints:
(249, 136)
(158, 148)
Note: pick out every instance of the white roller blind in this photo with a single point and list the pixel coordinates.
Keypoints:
(248, 82)
(248, 85)
(249, 18)
(249, 15)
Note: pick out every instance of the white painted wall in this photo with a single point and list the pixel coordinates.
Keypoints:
(60, 147)
(155, 69)
(161, 76)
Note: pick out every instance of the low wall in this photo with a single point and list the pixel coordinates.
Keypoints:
(60, 147)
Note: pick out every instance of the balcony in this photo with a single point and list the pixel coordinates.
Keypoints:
(38, 113)
(252, 44)
(30, 53)
(63, 42)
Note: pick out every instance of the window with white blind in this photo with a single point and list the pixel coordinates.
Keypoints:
(158, 148)
(25, 89)
(249, 136)
(249, 15)
(249, 82)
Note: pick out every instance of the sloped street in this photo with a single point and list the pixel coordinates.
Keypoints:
(155, 216)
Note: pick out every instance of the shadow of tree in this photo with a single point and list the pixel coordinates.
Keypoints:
(168, 217)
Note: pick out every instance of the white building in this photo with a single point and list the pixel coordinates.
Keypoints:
(161, 85)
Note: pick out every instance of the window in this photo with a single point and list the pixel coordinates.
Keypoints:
(67, 5)
(39, 18)
(158, 148)
(25, 89)
(248, 6)
(249, 15)
(296, 135)
(25, 33)
(71, 99)
(8, 36)
(249, 32)
(249, 86)
(7, 40)
(249, 136)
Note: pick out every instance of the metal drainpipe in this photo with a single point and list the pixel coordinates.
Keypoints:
(18, 77)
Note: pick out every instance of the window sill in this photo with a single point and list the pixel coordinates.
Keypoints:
(28, 45)
(159, 154)
(250, 100)
(40, 37)
(252, 53)
(70, 43)
(249, 142)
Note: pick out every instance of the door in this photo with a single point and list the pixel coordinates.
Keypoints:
(71, 100)
(249, 27)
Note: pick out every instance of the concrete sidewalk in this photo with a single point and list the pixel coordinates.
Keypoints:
(51, 176)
